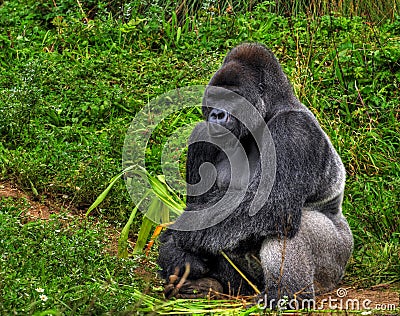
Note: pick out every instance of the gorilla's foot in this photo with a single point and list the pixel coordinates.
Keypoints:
(200, 288)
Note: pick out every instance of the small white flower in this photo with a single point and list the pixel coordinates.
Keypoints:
(43, 297)
(39, 290)
(366, 313)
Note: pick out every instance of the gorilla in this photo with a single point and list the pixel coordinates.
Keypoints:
(294, 242)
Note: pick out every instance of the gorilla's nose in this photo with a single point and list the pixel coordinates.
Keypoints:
(218, 116)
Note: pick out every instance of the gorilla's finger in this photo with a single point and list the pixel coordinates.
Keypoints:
(173, 278)
(184, 276)
(169, 291)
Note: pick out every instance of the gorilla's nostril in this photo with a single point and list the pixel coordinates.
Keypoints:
(221, 116)
(218, 116)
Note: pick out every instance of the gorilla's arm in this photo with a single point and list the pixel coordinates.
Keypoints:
(171, 254)
(200, 152)
(305, 166)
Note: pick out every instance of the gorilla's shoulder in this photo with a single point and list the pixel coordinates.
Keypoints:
(292, 114)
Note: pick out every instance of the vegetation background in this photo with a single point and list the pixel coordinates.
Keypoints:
(73, 75)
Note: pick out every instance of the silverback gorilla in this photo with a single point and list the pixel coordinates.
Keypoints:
(297, 242)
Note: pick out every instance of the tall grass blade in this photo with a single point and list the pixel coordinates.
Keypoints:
(163, 191)
(240, 272)
(103, 195)
(123, 238)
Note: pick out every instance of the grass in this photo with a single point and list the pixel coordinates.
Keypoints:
(73, 77)
(67, 257)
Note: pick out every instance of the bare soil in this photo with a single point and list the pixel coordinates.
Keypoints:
(383, 297)
(36, 209)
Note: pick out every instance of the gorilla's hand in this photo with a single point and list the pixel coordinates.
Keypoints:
(172, 258)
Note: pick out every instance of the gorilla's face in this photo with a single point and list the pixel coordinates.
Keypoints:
(249, 85)
(219, 108)
(231, 116)
(234, 100)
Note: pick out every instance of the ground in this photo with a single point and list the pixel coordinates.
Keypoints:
(379, 297)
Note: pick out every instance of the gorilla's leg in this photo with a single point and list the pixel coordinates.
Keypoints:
(311, 262)
(288, 269)
(332, 244)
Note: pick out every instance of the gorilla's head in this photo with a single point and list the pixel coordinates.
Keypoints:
(249, 74)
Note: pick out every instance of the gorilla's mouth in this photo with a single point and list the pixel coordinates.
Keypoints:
(217, 130)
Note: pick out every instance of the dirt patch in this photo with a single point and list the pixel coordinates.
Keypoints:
(113, 236)
(36, 209)
(42, 210)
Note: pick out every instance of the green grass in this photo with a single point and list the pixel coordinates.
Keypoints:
(69, 258)
(72, 79)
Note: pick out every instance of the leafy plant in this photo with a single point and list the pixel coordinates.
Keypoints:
(164, 201)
